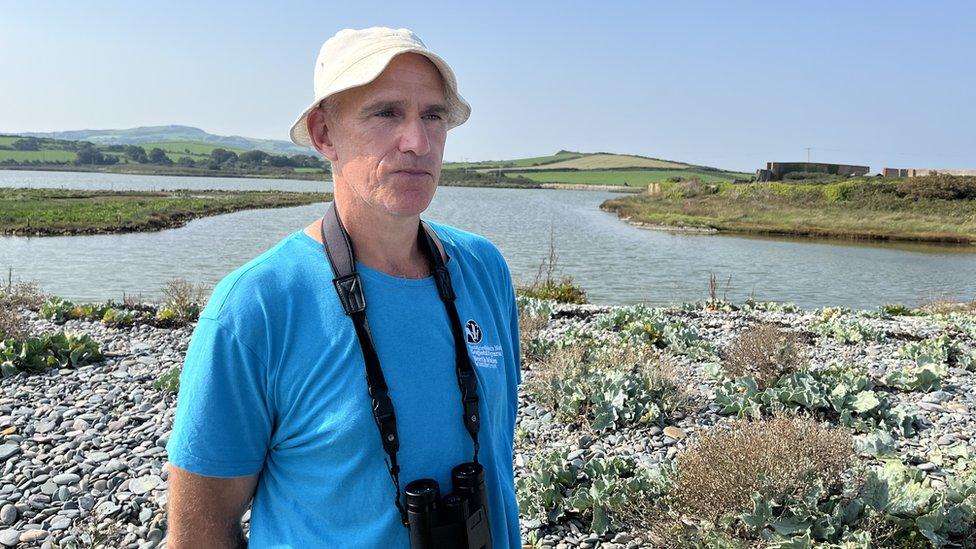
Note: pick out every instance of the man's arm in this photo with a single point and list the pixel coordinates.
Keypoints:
(206, 511)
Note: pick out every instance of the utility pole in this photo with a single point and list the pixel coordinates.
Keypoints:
(808, 154)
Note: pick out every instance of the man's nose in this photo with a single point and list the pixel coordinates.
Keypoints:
(413, 137)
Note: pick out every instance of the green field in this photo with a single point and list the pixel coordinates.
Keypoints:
(194, 149)
(7, 140)
(42, 155)
(604, 161)
(632, 178)
(60, 211)
(517, 163)
(864, 208)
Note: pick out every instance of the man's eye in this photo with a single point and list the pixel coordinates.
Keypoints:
(385, 114)
(435, 116)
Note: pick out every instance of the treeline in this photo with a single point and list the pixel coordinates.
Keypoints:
(87, 153)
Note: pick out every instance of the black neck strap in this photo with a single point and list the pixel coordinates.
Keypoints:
(349, 287)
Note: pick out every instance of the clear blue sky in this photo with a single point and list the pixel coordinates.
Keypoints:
(728, 84)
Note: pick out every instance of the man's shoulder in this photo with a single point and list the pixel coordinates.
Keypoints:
(466, 242)
(262, 282)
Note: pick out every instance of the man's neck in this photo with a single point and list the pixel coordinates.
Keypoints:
(382, 242)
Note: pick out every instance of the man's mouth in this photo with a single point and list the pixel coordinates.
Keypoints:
(411, 171)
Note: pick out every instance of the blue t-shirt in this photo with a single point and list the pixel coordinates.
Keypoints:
(274, 383)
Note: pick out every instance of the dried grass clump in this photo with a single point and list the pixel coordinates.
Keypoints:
(765, 353)
(550, 373)
(181, 294)
(781, 457)
(943, 305)
(12, 324)
(530, 325)
(21, 295)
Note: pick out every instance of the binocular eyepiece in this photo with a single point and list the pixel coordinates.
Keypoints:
(458, 520)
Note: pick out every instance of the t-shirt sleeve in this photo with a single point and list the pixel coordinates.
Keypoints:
(223, 417)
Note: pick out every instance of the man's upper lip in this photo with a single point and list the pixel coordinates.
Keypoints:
(414, 171)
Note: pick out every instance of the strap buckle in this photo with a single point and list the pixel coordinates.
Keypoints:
(350, 290)
(444, 287)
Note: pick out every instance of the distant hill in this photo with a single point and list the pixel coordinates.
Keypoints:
(600, 168)
(168, 134)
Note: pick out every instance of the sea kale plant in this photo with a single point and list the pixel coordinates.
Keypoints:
(609, 388)
(845, 394)
(35, 354)
(838, 323)
(652, 326)
(602, 489)
(930, 361)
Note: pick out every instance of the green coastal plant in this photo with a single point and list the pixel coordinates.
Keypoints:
(607, 389)
(602, 489)
(930, 360)
(35, 354)
(640, 324)
(845, 329)
(841, 393)
(169, 381)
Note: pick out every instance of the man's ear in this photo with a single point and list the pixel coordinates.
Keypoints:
(319, 132)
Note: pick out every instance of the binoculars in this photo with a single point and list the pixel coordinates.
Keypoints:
(459, 520)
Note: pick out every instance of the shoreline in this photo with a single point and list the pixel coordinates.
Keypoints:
(171, 210)
(317, 178)
(962, 242)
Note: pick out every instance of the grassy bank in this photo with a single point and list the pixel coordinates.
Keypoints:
(929, 209)
(65, 212)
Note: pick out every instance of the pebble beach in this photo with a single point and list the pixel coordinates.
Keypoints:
(83, 459)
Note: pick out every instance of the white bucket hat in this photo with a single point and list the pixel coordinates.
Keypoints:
(355, 57)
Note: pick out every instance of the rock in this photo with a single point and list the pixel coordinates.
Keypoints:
(66, 478)
(107, 508)
(8, 515)
(144, 484)
(674, 432)
(8, 450)
(30, 536)
(9, 537)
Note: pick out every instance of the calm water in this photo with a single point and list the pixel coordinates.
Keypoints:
(614, 262)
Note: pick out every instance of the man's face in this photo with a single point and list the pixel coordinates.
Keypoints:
(386, 139)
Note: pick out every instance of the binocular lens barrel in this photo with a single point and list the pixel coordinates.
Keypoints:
(422, 495)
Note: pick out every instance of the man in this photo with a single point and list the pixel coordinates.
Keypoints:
(273, 398)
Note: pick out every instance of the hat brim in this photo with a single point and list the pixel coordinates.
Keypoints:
(368, 69)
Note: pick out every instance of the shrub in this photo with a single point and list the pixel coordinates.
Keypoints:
(691, 188)
(182, 301)
(939, 186)
(890, 310)
(12, 323)
(765, 353)
(780, 459)
(546, 286)
(607, 389)
(23, 295)
(562, 291)
(530, 325)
